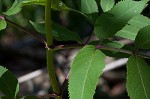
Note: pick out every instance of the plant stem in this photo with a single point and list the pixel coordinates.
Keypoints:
(49, 52)
(64, 85)
(60, 47)
(36, 35)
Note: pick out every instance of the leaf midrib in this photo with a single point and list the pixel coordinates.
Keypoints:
(137, 64)
(87, 5)
(86, 74)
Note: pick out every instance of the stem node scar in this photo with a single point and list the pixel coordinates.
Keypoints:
(47, 47)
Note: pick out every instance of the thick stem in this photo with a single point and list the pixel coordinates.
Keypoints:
(49, 52)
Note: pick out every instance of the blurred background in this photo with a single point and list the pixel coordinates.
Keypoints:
(25, 56)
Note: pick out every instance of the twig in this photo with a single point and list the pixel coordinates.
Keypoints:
(53, 95)
(36, 35)
(60, 47)
(69, 46)
(99, 7)
(65, 83)
(89, 38)
(114, 49)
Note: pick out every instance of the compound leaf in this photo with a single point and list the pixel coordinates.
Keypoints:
(85, 71)
(107, 4)
(8, 83)
(142, 39)
(3, 24)
(109, 23)
(134, 25)
(138, 78)
(88, 6)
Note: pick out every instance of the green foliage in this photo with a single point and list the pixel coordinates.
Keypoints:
(40, 27)
(142, 39)
(109, 23)
(109, 44)
(16, 7)
(138, 78)
(88, 6)
(8, 83)
(32, 2)
(123, 19)
(60, 33)
(85, 71)
(133, 26)
(56, 4)
(107, 4)
(3, 24)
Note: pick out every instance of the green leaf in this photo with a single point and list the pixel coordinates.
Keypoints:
(32, 2)
(142, 39)
(109, 23)
(134, 25)
(40, 27)
(59, 32)
(88, 6)
(63, 34)
(85, 71)
(56, 4)
(8, 83)
(3, 24)
(138, 79)
(16, 7)
(107, 4)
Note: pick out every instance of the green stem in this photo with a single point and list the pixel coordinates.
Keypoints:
(49, 52)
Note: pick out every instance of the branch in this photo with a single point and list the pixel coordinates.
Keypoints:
(89, 38)
(60, 47)
(99, 7)
(64, 85)
(69, 46)
(36, 35)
